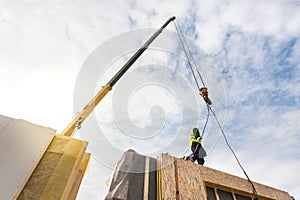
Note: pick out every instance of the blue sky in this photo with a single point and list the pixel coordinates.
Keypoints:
(254, 46)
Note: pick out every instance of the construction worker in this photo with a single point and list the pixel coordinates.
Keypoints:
(196, 146)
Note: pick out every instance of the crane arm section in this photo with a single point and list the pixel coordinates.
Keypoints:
(77, 121)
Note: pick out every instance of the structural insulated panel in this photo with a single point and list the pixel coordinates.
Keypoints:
(21, 146)
(55, 175)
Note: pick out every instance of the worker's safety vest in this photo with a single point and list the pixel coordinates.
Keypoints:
(193, 138)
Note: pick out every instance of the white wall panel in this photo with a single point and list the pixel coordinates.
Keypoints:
(21, 147)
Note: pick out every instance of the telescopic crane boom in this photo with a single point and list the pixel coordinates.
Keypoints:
(77, 121)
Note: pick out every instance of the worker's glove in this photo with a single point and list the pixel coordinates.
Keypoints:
(199, 138)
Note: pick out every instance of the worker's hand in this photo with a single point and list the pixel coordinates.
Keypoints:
(199, 138)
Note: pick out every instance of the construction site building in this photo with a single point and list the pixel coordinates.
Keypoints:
(167, 177)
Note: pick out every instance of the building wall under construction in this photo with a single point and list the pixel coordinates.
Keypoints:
(181, 179)
(178, 179)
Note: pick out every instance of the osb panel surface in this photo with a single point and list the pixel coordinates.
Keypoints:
(168, 177)
(190, 181)
(231, 181)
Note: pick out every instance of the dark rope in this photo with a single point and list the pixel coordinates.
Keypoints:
(186, 53)
(207, 117)
(226, 140)
(189, 56)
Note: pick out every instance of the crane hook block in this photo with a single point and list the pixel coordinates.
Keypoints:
(204, 93)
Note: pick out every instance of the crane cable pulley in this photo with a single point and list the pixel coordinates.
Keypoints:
(204, 94)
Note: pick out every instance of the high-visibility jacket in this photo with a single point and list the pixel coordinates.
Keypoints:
(193, 137)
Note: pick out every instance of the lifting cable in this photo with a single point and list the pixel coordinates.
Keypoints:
(179, 33)
(188, 54)
(235, 156)
(203, 90)
(189, 57)
(207, 117)
(204, 94)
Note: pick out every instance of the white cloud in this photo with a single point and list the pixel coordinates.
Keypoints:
(43, 46)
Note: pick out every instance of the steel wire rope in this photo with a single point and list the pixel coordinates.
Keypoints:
(186, 53)
(232, 151)
(206, 122)
(179, 34)
(189, 56)
(190, 53)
